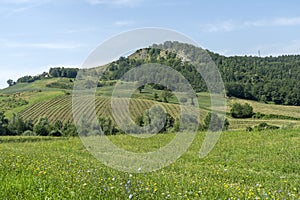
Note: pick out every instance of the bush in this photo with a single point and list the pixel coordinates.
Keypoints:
(56, 133)
(264, 126)
(241, 110)
(249, 129)
(183, 100)
(28, 133)
(42, 127)
(213, 122)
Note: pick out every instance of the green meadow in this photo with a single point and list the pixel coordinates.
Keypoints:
(243, 165)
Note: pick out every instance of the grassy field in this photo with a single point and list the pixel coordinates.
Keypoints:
(255, 165)
(293, 111)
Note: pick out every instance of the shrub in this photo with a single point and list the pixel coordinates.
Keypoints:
(28, 133)
(56, 133)
(264, 126)
(213, 122)
(241, 110)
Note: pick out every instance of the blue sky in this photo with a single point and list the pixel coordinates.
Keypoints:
(38, 34)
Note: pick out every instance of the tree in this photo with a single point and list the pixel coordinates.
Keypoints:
(107, 126)
(17, 125)
(213, 122)
(42, 127)
(241, 111)
(156, 120)
(69, 129)
(166, 94)
(155, 96)
(141, 88)
(10, 82)
(183, 100)
(3, 124)
(192, 96)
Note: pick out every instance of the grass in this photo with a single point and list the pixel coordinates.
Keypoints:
(293, 111)
(262, 165)
(32, 92)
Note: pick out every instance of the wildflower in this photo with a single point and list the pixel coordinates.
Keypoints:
(130, 196)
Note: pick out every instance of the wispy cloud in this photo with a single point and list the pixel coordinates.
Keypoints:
(115, 2)
(283, 21)
(9, 44)
(22, 2)
(13, 7)
(230, 25)
(123, 23)
(225, 26)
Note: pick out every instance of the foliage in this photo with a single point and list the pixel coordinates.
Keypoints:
(166, 94)
(7, 103)
(107, 126)
(10, 82)
(17, 125)
(3, 124)
(28, 133)
(42, 127)
(60, 85)
(30, 79)
(264, 126)
(155, 120)
(259, 115)
(63, 72)
(241, 110)
(268, 79)
(214, 122)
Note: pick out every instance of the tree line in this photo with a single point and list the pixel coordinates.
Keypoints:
(43, 127)
(150, 122)
(56, 72)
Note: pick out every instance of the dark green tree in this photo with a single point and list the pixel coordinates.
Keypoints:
(214, 123)
(42, 127)
(3, 124)
(241, 110)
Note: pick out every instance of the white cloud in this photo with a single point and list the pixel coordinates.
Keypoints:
(123, 23)
(22, 2)
(115, 2)
(225, 26)
(8, 44)
(230, 25)
(13, 7)
(283, 21)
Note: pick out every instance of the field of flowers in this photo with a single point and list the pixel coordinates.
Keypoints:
(253, 165)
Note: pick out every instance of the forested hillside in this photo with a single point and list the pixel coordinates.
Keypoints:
(267, 79)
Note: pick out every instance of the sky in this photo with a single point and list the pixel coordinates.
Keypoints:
(38, 34)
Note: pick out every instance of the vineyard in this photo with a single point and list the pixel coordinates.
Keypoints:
(60, 108)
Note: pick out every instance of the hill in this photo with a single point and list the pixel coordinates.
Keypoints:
(268, 79)
(261, 82)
